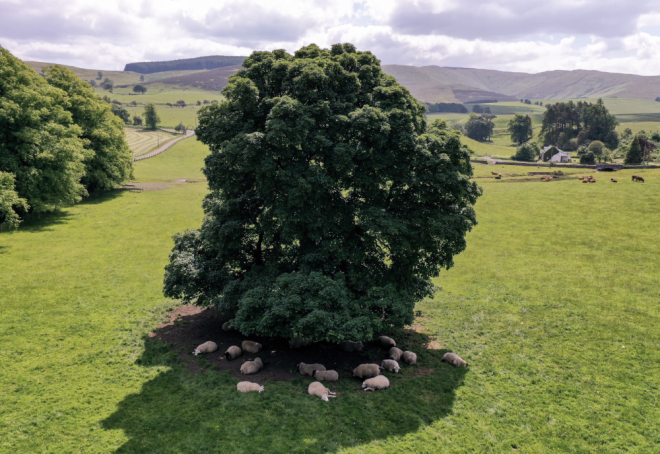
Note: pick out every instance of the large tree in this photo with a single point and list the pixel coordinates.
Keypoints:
(40, 143)
(479, 127)
(635, 154)
(109, 164)
(151, 118)
(520, 128)
(10, 203)
(582, 120)
(332, 202)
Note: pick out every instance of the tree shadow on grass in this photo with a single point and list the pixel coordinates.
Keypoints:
(182, 411)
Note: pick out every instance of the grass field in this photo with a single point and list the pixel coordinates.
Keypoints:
(162, 94)
(170, 116)
(142, 141)
(553, 304)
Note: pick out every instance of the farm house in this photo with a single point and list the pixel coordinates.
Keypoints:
(554, 154)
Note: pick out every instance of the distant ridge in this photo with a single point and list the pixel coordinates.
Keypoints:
(186, 64)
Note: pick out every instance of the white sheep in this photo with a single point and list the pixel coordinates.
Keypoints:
(386, 341)
(454, 360)
(308, 369)
(206, 347)
(366, 370)
(233, 352)
(379, 382)
(395, 353)
(390, 365)
(299, 342)
(409, 358)
(317, 389)
(351, 346)
(251, 347)
(247, 387)
(252, 367)
(326, 375)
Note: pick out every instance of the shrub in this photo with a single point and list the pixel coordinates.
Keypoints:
(528, 152)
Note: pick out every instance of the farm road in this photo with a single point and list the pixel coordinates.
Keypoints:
(164, 147)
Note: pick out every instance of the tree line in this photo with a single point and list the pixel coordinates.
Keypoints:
(58, 140)
(569, 125)
(211, 62)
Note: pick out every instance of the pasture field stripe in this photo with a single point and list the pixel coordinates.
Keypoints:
(164, 147)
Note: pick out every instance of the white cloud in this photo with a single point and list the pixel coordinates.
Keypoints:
(513, 35)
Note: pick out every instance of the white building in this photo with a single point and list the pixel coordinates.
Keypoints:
(560, 156)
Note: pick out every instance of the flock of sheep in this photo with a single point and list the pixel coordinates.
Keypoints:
(370, 372)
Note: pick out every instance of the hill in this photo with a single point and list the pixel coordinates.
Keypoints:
(211, 80)
(187, 64)
(441, 84)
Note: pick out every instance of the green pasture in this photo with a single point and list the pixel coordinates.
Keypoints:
(170, 116)
(554, 304)
(143, 141)
(161, 94)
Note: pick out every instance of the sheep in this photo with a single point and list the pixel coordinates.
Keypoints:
(395, 353)
(351, 346)
(251, 347)
(298, 342)
(246, 387)
(366, 370)
(317, 389)
(226, 326)
(233, 352)
(380, 382)
(309, 369)
(326, 375)
(454, 360)
(252, 367)
(390, 365)
(206, 347)
(386, 341)
(409, 358)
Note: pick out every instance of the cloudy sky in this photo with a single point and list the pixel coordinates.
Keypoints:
(511, 35)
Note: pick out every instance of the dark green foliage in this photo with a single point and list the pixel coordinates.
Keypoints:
(140, 89)
(92, 83)
(588, 158)
(332, 202)
(520, 128)
(109, 164)
(597, 147)
(137, 120)
(39, 142)
(446, 107)
(635, 154)
(180, 127)
(528, 152)
(582, 120)
(151, 118)
(10, 203)
(107, 84)
(212, 62)
(479, 127)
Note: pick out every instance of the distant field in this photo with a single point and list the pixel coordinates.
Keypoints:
(162, 94)
(170, 116)
(142, 141)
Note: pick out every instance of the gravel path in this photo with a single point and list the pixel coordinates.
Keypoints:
(164, 147)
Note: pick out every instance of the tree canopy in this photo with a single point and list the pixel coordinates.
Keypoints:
(10, 203)
(40, 144)
(582, 120)
(110, 163)
(520, 128)
(151, 118)
(479, 127)
(332, 202)
(528, 152)
(140, 89)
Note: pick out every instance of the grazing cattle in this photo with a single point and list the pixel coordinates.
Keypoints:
(581, 178)
(585, 181)
(613, 180)
(494, 173)
(592, 181)
(637, 178)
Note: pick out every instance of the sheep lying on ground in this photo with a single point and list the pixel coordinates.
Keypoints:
(226, 326)
(395, 353)
(206, 347)
(379, 382)
(309, 369)
(317, 389)
(386, 341)
(390, 365)
(248, 387)
(409, 358)
(299, 342)
(454, 360)
(326, 375)
(350, 346)
(252, 367)
(233, 352)
(366, 370)
(251, 347)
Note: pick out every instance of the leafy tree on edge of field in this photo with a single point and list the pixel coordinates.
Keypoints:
(151, 118)
(100, 75)
(588, 158)
(107, 84)
(479, 127)
(39, 142)
(139, 89)
(635, 154)
(10, 203)
(110, 163)
(137, 120)
(582, 120)
(520, 128)
(332, 202)
(527, 152)
(180, 128)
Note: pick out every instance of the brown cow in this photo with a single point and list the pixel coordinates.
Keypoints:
(592, 181)
(585, 181)
(613, 180)
(493, 173)
(637, 178)
(581, 178)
